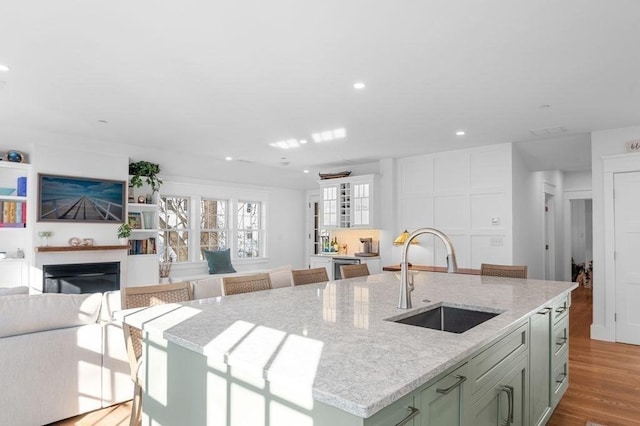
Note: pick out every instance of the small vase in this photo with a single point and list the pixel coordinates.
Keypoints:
(123, 241)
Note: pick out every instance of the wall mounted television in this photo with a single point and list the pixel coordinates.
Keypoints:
(80, 199)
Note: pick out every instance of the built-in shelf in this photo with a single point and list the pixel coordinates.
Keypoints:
(80, 248)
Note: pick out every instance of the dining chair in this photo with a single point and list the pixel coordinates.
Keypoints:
(139, 297)
(309, 276)
(508, 271)
(245, 284)
(352, 271)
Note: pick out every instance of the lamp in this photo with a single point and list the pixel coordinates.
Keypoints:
(400, 240)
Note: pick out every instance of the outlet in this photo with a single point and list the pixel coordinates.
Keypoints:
(495, 220)
(497, 242)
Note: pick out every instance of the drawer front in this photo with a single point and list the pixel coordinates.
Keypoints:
(488, 366)
(561, 307)
(560, 338)
(560, 379)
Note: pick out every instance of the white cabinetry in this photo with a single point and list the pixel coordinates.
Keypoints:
(14, 226)
(143, 260)
(348, 202)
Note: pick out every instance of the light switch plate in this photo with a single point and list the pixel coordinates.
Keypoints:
(497, 242)
(495, 220)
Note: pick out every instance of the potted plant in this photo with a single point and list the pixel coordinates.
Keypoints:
(147, 170)
(124, 232)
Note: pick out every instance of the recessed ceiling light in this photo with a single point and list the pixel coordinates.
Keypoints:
(228, 158)
(305, 171)
(289, 143)
(460, 133)
(103, 121)
(4, 68)
(358, 85)
(329, 135)
(303, 141)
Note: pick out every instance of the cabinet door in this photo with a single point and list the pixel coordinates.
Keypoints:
(361, 204)
(506, 403)
(441, 404)
(329, 206)
(540, 366)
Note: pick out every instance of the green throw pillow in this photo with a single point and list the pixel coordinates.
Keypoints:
(219, 261)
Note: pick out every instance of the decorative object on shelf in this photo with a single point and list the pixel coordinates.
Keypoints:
(44, 237)
(87, 242)
(149, 171)
(147, 219)
(19, 253)
(131, 198)
(15, 156)
(324, 176)
(22, 186)
(403, 237)
(74, 241)
(142, 199)
(135, 220)
(165, 268)
(76, 199)
(149, 199)
(6, 191)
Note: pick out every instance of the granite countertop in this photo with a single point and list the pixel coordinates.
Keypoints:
(336, 336)
(347, 256)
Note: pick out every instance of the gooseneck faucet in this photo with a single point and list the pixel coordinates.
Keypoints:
(404, 301)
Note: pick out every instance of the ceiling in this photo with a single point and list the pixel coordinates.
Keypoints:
(226, 78)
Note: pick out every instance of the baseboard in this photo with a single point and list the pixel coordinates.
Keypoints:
(599, 332)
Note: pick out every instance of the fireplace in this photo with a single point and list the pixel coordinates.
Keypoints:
(81, 277)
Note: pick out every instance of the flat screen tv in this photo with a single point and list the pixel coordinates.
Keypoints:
(80, 199)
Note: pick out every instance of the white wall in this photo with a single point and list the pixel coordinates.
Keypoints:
(577, 181)
(458, 192)
(55, 154)
(526, 222)
(607, 142)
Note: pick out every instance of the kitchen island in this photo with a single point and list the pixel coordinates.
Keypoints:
(331, 354)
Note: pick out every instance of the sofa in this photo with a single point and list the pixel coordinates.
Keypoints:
(60, 356)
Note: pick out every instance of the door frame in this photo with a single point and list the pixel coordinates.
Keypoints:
(549, 230)
(581, 194)
(612, 164)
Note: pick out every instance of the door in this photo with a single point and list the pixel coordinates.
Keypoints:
(441, 403)
(313, 225)
(627, 253)
(506, 403)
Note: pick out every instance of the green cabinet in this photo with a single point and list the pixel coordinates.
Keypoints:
(540, 366)
(442, 403)
(506, 402)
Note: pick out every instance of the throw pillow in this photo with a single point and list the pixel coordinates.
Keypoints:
(219, 261)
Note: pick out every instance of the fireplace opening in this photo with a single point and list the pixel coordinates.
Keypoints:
(81, 278)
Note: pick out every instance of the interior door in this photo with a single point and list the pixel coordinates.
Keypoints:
(627, 256)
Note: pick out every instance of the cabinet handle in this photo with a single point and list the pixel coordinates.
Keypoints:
(561, 309)
(545, 311)
(561, 341)
(562, 376)
(509, 391)
(460, 381)
(413, 411)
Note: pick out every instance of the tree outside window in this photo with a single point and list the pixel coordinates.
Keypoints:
(213, 225)
(249, 228)
(174, 228)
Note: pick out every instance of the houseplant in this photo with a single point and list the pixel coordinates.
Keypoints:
(147, 170)
(124, 232)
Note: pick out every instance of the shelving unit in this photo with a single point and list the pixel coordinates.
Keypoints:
(14, 224)
(143, 260)
(348, 202)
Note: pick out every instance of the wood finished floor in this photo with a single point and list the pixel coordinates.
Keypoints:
(604, 380)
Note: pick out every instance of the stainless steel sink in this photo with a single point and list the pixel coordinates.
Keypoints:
(447, 318)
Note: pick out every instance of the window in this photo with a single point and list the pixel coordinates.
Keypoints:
(249, 229)
(174, 228)
(213, 225)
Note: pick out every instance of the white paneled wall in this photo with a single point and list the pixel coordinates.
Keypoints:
(467, 194)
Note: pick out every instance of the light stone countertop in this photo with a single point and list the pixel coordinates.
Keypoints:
(336, 334)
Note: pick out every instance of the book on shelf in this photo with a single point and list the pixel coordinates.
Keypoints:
(13, 212)
(147, 246)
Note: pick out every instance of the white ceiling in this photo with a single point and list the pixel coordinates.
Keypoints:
(222, 78)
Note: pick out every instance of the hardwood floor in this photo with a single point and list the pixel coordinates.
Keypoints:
(604, 380)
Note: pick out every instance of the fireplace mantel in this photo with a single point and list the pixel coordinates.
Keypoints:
(45, 249)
